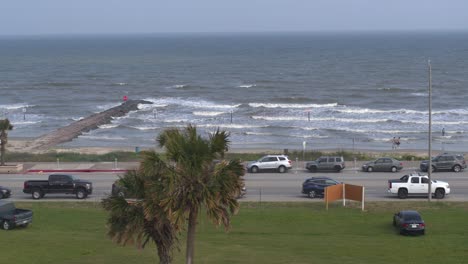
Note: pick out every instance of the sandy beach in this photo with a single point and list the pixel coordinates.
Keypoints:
(21, 145)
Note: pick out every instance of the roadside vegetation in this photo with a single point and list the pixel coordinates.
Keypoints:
(260, 233)
(128, 156)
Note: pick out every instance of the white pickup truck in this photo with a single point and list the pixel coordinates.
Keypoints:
(415, 184)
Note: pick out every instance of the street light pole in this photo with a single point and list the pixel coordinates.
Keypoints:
(429, 168)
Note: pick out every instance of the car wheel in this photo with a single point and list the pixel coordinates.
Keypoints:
(6, 225)
(254, 169)
(370, 169)
(313, 169)
(433, 169)
(423, 232)
(393, 169)
(439, 193)
(36, 194)
(282, 169)
(1, 195)
(337, 168)
(456, 168)
(312, 194)
(81, 194)
(402, 193)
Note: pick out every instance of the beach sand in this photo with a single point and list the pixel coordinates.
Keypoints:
(20, 145)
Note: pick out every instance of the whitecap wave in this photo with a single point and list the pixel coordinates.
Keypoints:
(247, 85)
(102, 137)
(237, 126)
(419, 94)
(330, 119)
(120, 84)
(143, 127)
(258, 133)
(207, 113)
(107, 106)
(19, 123)
(190, 102)
(108, 126)
(271, 105)
(15, 106)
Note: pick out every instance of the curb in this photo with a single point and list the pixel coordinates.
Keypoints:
(71, 170)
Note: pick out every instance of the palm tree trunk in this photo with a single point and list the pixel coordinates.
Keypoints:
(2, 153)
(163, 254)
(191, 236)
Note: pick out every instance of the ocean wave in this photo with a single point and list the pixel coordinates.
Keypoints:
(237, 126)
(19, 123)
(178, 86)
(190, 102)
(101, 137)
(207, 113)
(419, 94)
(399, 111)
(258, 133)
(270, 105)
(330, 119)
(143, 127)
(15, 106)
(107, 106)
(247, 85)
(426, 122)
(176, 120)
(119, 84)
(108, 126)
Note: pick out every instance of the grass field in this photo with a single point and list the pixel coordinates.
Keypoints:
(261, 233)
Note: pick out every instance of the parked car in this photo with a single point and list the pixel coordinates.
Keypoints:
(11, 217)
(59, 183)
(445, 161)
(417, 185)
(280, 163)
(315, 186)
(383, 164)
(409, 222)
(326, 163)
(4, 192)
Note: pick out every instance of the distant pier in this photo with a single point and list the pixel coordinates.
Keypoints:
(68, 133)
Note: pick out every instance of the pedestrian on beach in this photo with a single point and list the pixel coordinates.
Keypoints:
(397, 142)
(394, 143)
(443, 131)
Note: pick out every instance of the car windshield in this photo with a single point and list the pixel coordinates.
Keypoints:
(75, 178)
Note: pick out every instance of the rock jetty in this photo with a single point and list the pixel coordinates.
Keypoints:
(89, 123)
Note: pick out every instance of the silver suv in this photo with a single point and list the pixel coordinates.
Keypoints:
(326, 163)
(280, 163)
(445, 161)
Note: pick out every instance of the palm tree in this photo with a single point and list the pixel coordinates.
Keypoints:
(142, 219)
(4, 127)
(198, 181)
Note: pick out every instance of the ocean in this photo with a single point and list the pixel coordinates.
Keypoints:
(269, 90)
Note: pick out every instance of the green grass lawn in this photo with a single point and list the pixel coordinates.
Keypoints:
(260, 233)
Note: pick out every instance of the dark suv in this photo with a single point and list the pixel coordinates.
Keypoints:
(326, 163)
(445, 161)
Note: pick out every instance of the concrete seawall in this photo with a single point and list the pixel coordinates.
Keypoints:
(68, 133)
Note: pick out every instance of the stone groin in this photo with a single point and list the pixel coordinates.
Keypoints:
(73, 130)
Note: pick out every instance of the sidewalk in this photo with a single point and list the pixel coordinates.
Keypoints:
(38, 167)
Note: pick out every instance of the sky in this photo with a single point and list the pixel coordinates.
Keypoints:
(41, 17)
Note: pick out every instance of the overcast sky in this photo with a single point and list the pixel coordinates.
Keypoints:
(37, 17)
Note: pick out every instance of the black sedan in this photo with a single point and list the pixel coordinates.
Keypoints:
(4, 192)
(315, 186)
(409, 222)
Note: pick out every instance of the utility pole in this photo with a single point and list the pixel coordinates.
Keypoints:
(429, 168)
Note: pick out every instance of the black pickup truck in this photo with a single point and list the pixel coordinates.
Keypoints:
(59, 183)
(10, 216)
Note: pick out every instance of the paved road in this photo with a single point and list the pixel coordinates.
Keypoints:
(262, 186)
